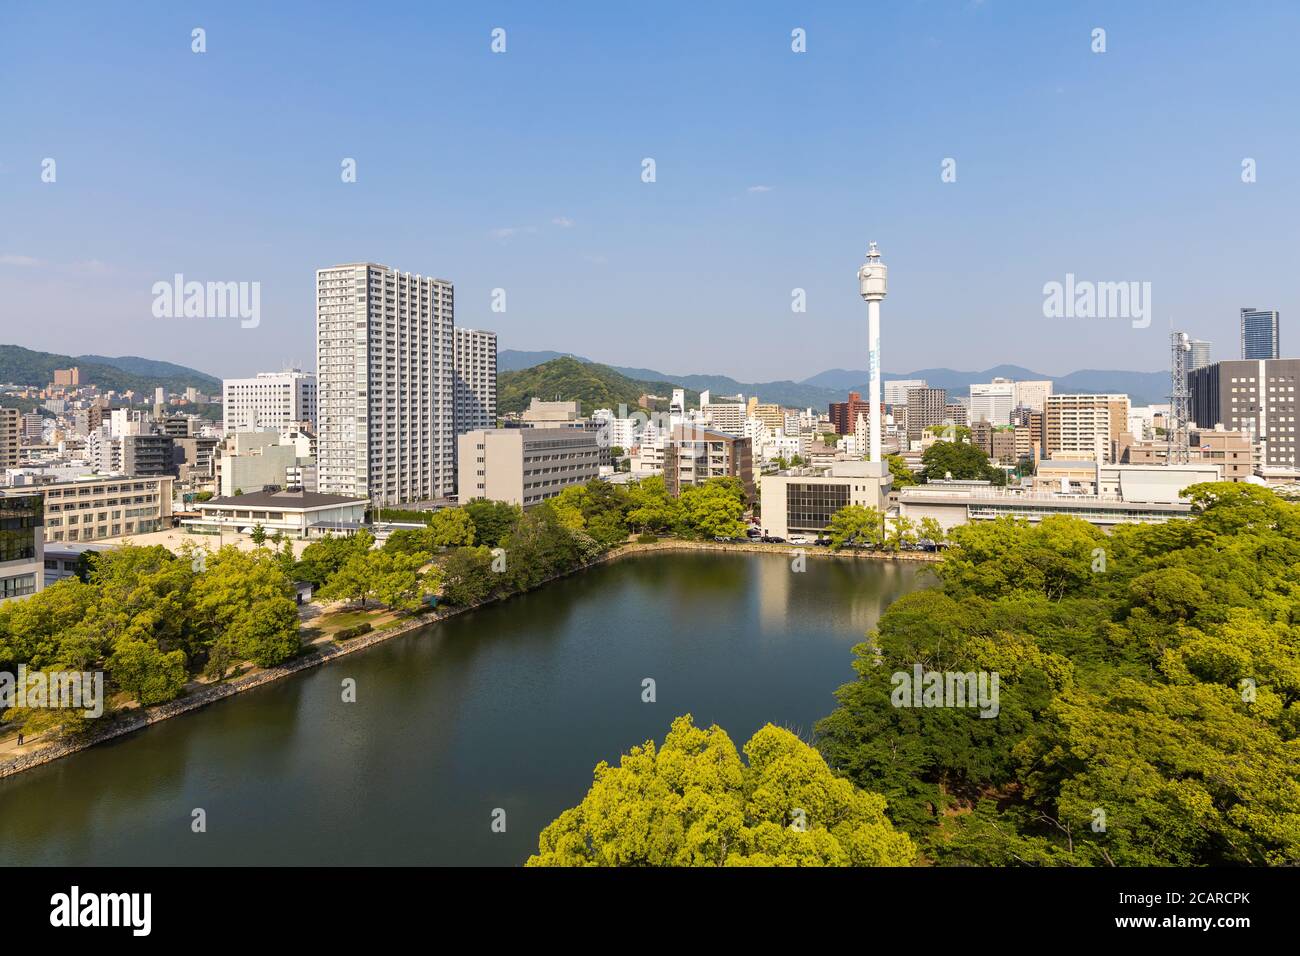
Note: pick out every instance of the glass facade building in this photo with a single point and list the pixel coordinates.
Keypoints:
(1259, 334)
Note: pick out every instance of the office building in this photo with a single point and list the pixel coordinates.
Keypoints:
(252, 461)
(1258, 398)
(693, 455)
(384, 384)
(1033, 394)
(1230, 450)
(802, 501)
(146, 456)
(1085, 425)
(1260, 334)
(993, 401)
(22, 544)
(99, 506)
(475, 382)
(525, 466)
(1200, 356)
(269, 400)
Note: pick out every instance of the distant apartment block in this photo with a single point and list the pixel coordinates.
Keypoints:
(22, 544)
(269, 400)
(1260, 335)
(106, 507)
(1200, 354)
(1087, 426)
(925, 407)
(475, 384)
(67, 377)
(896, 391)
(693, 455)
(385, 360)
(10, 437)
(844, 415)
(726, 417)
(525, 466)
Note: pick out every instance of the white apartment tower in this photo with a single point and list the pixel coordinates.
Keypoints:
(476, 380)
(270, 401)
(385, 399)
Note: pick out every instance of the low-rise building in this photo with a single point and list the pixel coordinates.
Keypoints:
(525, 466)
(297, 514)
(107, 506)
(802, 501)
(22, 544)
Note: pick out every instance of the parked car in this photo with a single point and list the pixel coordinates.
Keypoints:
(798, 539)
(772, 539)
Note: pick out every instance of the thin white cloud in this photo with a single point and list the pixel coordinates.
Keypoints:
(8, 260)
(509, 232)
(564, 222)
(759, 189)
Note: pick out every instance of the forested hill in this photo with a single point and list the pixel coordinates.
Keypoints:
(566, 379)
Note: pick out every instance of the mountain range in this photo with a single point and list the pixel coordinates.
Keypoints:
(20, 366)
(833, 385)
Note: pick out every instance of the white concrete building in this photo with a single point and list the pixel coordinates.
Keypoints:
(385, 395)
(896, 391)
(475, 379)
(22, 544)
(802, 501)
(297, 514)
(725, 416)
(1033, 394)
(269, 400)
(992, 401)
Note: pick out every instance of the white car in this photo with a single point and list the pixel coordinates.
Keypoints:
(798, 539)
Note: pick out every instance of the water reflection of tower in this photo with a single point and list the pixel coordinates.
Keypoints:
(774, 594)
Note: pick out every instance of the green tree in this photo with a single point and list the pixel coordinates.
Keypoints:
(903, 476)
(267, 632)
(258, 535)
(715, 508)
(856, 525)
(451, 528)
(493, 520)
(468, 578)
(962, 461)
(651, 507)
(694, 802)
(147, 673)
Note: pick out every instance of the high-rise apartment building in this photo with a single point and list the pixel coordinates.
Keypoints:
(896, 391)
(1200, 356)
(1085, 425)
(925, 407)
(10, 430)
(1259, 334)
(1258, 398)
(844, 415)
(693, 455)
(269, 401)
(475, 382)
(385, 358)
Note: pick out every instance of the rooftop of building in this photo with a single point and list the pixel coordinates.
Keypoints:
(286, 500)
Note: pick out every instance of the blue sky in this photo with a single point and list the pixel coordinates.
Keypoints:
(522, 171)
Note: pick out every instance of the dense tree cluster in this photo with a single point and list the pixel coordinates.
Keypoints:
(150, 620)
(1149, 693)
(508, 550)
(694, 802)
(960, 460)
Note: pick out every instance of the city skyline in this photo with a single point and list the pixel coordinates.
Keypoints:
(773, 170)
